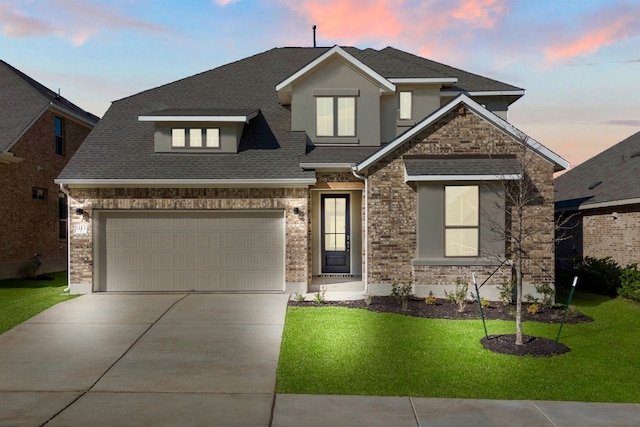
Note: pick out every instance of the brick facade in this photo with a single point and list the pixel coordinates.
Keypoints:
(599, 233)
(393, 204)
(27, 225)
(297, 247)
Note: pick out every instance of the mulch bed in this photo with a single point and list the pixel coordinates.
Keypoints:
(442, 309)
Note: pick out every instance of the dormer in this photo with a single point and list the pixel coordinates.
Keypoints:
(336, 100)
(198, 130)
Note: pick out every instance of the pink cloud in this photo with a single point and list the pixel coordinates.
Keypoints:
(75, 20)
(351, 20)
(481, 13)
(224, 3)
(18, 25)
(605, 28)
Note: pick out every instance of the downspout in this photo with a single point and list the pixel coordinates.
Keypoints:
(365, 267)
(66, 192)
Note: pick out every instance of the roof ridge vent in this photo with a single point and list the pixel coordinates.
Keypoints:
(594, 185)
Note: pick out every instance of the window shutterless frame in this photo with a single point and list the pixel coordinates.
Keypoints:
(195, 137)
(461, 220)
(335, 116)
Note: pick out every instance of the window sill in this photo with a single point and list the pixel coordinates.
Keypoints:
(457, 261)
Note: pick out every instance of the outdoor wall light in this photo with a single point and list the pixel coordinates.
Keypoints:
(296, 211)
(79, 211)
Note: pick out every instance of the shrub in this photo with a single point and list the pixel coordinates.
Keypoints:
(506, 291)
(548, 294)
(630, 283)
(298, 296)
(484, 303)
(430, 300)
(319, 296)
(402, 291)
(459, 296)
(599, 275)
(533, 308)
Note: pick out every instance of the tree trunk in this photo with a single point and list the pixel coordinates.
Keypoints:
(518, 264)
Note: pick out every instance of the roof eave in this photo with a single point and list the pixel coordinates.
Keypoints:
(558, 162)
(6, 157)
(187, 183)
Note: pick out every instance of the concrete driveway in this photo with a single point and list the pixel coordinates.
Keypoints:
(169, 359)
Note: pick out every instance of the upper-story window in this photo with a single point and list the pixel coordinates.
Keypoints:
(335, 116)
(461, 220)
(195, 137)
(405, 105)
(58, 129)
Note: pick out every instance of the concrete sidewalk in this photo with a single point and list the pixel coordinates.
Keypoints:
(210, 360)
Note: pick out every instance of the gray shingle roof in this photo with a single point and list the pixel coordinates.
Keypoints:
(22, 100)
(121, 147)
(612, 176)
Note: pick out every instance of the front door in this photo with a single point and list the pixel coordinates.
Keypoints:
(335, 233)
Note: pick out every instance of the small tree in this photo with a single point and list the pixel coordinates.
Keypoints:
(523, 201)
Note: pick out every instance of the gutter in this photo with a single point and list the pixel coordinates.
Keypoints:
(365, 272)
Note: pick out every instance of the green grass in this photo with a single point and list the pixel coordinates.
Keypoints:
(23, 299)
(334, 350)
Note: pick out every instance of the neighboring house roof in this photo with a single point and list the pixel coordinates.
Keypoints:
(24, 100)
(558, 162)
(611, 178)
(120, 149)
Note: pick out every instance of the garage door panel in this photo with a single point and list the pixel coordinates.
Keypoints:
(225, 251)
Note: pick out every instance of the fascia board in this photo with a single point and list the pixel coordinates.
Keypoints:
(9, 158)
(485, 93)
(218, 119)
(498, 122)
(610, 204)
(385, 84)
(507, 127)
(433, 178)
(345, 166)
(73, 114)
(424, 80)
(182, 183)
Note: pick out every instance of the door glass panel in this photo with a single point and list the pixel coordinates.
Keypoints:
(335, 224)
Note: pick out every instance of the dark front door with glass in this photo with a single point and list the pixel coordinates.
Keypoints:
(335, 233)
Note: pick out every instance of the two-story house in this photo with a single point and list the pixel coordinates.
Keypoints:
(303, 163)
(39, 132)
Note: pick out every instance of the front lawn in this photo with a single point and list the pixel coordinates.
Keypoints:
(23, 299)
(336, 350)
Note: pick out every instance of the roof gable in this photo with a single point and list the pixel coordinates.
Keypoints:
(24, 100)
(558, 162)
(284, 88)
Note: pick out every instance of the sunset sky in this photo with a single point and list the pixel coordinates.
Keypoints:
(579, 60)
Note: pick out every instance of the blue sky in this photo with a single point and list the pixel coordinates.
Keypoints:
(579, 60)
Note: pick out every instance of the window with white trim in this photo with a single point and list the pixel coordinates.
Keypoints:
(335, 116)
(462, 207)
(195, 137)
(405, 105)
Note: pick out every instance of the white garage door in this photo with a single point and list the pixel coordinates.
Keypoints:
(223, 251)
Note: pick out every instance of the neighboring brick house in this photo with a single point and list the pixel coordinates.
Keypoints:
(599, 204)
(304, 163)
(39, 132)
